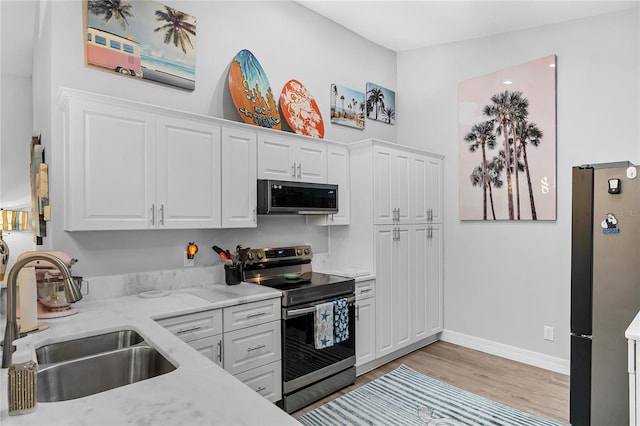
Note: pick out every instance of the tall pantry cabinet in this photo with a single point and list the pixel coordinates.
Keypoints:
(398, 206)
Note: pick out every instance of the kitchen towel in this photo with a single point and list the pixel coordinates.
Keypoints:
(341, 320)
(323, 325)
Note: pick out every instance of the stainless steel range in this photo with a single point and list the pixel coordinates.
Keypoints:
(308, 373)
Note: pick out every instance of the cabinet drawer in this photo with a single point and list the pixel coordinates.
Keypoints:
(266, 380)
(248, 314)
(365, 289)
(194, 326)
(251, 347)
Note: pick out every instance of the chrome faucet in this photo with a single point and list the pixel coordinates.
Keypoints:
(71, 291)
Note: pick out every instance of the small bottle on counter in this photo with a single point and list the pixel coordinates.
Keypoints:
(23, 374)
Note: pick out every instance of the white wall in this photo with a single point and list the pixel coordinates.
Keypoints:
(289, 40)
(15, 130)
(505, 281)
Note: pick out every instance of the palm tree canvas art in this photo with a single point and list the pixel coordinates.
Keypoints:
(347, 107)
(507, 143)
(142, 39)
(381, 104)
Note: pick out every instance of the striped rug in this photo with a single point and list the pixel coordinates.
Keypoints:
(406, 397)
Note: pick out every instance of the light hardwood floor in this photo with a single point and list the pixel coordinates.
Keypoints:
(531, 389)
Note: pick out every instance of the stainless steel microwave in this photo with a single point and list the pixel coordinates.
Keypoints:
(284, 197)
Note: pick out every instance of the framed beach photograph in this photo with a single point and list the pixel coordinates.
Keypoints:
(347, 107)
(507, 143)
(381, 104)
(142, 39)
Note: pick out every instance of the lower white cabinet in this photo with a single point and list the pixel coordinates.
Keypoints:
(201, 330)
(266, 380)
(365, 322)
(408, 285)
(210, 347)
(251, 347)
(244, 339)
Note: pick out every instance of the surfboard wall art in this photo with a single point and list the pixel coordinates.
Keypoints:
(251, 92)
(300, 110)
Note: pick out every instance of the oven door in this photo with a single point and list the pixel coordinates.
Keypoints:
(303, 364)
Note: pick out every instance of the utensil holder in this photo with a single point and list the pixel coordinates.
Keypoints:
(232, 274)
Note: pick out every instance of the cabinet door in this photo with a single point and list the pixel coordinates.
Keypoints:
(337, 173)
(239, 193)
(421, 297)
(384, 245)
(188, 174)
(419, 189)
(383, 208)
(401, 294)
(402, 185)
(365, 330)
(209, 347)
(275, 159)
(110, 160)
(434, 282)
(311, 161)
(435, 189)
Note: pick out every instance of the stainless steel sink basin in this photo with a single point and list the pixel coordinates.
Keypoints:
(78, 348)
(100, 372)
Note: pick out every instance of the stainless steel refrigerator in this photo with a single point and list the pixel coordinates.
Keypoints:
(605, 290)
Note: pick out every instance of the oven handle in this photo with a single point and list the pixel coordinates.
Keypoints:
(292, 313)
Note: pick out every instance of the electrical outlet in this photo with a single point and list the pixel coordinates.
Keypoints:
(187, 261)
(548, 333)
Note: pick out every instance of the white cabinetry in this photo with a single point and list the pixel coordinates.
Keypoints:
(244, 339)
(104, 188)
(252, 346)
(399, 210)
(202, 331)
(365, 322)
(291, 159)
(130, 168)
(187, 173)
(239, 190)
(338, 174)
(137, 166)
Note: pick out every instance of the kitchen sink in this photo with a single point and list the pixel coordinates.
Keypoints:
(78, 348)
(100, 372)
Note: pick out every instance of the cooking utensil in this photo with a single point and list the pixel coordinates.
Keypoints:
(221, 253)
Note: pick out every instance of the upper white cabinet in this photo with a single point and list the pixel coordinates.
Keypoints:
(187, 174)
(337, 173)
(291, 159)
(239, 189)
(130, 166)
(110, 172)
(131, 169)
(434, 190)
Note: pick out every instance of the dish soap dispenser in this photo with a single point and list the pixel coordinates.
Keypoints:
(23, 375)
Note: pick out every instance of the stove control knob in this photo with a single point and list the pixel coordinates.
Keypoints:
(259, 255)
(298, 252)
(306, 251)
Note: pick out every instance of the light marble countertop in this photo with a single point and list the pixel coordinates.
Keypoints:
(198, 392)
(633, 331)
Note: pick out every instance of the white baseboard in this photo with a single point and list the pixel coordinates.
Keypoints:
(559, 365)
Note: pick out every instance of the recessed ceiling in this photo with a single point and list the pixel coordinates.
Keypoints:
(405, 25)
